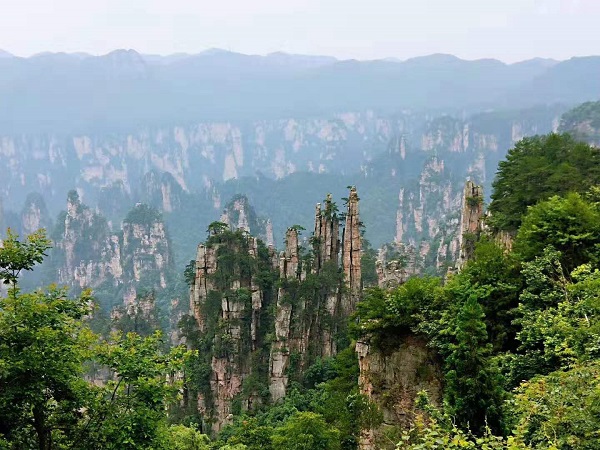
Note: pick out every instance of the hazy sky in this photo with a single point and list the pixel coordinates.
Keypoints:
(510, 30)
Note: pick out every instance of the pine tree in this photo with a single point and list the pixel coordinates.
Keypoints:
(473, 391)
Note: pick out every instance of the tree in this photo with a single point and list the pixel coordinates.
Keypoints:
(499, 274)
(560, 410)
(306, 431)
(559, 319)
(216, 228)
(433, 430)
(45, 341)
(16, 256)
(571, 225)
(473, 393)
(536, 169)
(180, 437)
(383, 313)
(43, 344)
(129, 411)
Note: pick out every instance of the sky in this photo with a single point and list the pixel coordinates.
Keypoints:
(509, 30)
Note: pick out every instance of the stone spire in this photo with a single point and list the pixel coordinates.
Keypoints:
(280, 350)
(471, 221)
(327, 233)
(352, 252)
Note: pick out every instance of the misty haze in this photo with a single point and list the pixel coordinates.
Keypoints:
(299, 225)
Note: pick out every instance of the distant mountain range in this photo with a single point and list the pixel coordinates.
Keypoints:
(83, 93)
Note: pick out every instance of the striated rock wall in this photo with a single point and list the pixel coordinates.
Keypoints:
(395, 264)
(146, 252)
(352, 253)
(427, 219)
(391, 377)
(471, 221)
(191, 154)
(240, 215)
(317, 289)
(34, 214)
(230, 309)
(88, 254)
(289, 269)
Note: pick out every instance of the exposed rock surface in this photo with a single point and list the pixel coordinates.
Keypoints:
(395, 264)
(239, 214)
(352, 253)
(34, 215)
(88, 254)
(229, 308)
(391, 377)
(583, 123)
(471, 221)
(289, 269)
(230, 305)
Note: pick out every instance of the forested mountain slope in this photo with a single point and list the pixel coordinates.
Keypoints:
(289, 350)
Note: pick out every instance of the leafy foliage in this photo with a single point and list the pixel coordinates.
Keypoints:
(536, 169)
(570, 224)
(143, 214)
(45, 346)
(560, 410)
(305, 431)
(16, 255)
(473, 392)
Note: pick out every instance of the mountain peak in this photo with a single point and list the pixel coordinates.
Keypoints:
(214, 51)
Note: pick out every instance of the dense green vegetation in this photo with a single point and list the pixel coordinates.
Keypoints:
(517, 333)
(583, 122)
(518, 330)
(536, 169)
(46, 348)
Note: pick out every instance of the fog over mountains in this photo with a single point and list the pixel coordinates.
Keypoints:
(186, 134)
(78, 92)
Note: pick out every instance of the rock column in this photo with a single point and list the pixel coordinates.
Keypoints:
(280, 350)
(352, 253)
(471, 221)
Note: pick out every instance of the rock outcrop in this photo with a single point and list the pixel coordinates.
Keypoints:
(34, 214)
(146, 251)
(352, 253)
(230, 299)
(395, 264)
(391, 378)
(230, 304)
(87, 253)
(471, 221)
(289, 270)
(240, 215)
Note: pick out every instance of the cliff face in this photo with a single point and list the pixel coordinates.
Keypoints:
(88, 254)
(392, 377)
(395, 264)
(146, 250)
(237, 304)
(190, 154)
(471, 221)
(239, 214)
(230, 306)
(352, 253)
(421, 159)
(583, 123)
(451, 149)
(34, 214)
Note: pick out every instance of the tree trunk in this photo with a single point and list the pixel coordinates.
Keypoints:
(39, 423)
